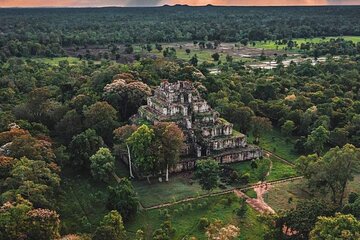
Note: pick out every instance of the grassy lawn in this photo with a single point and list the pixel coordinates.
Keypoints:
(185, 218)
(279, 195)
(275, 142)
(271, 44)
(178, 188)
(280, 170)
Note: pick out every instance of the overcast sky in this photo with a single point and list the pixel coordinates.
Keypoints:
(123, 3)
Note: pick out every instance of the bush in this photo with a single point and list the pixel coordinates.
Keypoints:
(241, 211)
(203, 223)
(353, 196)
(245, 178)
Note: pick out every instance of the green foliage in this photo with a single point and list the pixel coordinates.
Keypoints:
(123, 198)
(203, 223)
(111, 227)
(338, 227)
(165, 232)
(333, 171)
(19, 219)
(140, 142)
(207, 171)
(36, 181)
(317, 139)
(287, 128)
(102, 164)
(301, 220)
(101, 117)
(83, 146)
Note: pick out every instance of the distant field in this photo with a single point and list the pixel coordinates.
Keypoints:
(56, 60)
(271, 44)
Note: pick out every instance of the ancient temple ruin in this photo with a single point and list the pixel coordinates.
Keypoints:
(207, 134)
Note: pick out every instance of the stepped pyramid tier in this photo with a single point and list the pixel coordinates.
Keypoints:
(207, 134)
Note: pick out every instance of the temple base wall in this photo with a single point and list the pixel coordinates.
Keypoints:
(226, 157)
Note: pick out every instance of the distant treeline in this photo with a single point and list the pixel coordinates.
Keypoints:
(46, 32)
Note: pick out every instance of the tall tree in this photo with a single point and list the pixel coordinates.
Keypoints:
(169, 143)
(301, 220)
(317, 139)
(102, 164)
(140, 143)
(111, 227)
(126, 94)
(334, 170)
(123, 198)
(83, 146)
(121, 147)
(207, 171)
(259, 126)
(101, 117)
(287, 128)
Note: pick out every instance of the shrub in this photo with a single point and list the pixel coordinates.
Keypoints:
(203, 223)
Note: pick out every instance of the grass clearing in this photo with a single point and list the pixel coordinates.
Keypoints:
(272, 46)
(280, 170)
(56, 60)
(285, 195)
(185, 218)
(275, 142)
(203, 55)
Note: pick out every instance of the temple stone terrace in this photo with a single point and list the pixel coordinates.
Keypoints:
(207, 134)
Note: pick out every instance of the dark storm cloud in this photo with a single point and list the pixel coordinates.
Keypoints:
(142, 2)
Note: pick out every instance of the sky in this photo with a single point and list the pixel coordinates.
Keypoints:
(132, 3)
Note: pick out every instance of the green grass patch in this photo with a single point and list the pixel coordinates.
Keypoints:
(280, 170)
(185, 218)
(179, 187)
(272, 46)
(285, 195)
(55, 61)
(251, 193)
(276, 143)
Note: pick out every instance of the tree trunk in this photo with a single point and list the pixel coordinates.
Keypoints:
(167, 173)
(333, 194)
(148, 179)
(130, 165)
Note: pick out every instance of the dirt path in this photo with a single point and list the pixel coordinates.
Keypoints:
(235, 190)
(278, 157)
(258, 203)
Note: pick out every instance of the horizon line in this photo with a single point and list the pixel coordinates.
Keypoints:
(175, 5)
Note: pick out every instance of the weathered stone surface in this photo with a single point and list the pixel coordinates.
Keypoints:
(207, 135)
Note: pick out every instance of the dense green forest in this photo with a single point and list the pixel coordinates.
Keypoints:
(65, 122)
(46, 32)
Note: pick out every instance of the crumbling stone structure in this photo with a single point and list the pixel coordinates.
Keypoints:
(207, 135)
